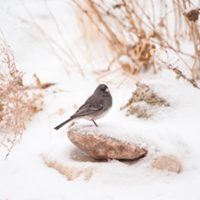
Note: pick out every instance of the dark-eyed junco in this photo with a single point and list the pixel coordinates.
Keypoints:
(95, 107)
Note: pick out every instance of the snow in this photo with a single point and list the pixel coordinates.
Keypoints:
(173, 130)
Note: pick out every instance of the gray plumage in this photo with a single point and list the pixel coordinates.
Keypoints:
(96, 106)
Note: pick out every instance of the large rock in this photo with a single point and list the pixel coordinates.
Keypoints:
(104, 147)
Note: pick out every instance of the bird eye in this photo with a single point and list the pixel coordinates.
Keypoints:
(104, 88)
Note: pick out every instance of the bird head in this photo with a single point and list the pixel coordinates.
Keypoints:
(102, 88)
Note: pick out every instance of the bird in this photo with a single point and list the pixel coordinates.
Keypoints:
(95, 107)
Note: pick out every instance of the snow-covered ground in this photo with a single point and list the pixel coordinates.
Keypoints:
(37, 42)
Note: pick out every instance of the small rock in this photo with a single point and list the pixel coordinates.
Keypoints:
(103, 147)
(167, 162)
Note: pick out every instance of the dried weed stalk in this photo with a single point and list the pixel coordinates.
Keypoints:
(18, 103)
(179, 74)
(192, 17)
(132, 30)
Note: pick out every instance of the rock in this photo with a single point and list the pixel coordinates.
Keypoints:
(103, 147)
(80, 156)
(167, 162)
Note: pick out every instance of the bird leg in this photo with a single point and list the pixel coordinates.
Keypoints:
(95, 123)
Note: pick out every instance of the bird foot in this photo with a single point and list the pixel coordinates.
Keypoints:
(95, 123)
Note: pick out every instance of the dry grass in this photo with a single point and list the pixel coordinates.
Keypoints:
(18, 102)
(137, 32)
(144, 102)
(179, 74)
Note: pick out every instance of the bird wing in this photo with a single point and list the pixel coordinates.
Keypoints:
(91, 106)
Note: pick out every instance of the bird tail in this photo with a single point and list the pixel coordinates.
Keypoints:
(63, 123)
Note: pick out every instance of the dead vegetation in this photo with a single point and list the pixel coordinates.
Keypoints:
(144, 102)
(18, 102)
(142, 31)
(70, 172)
(41, 85)
(193, 15)
(179, 74)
